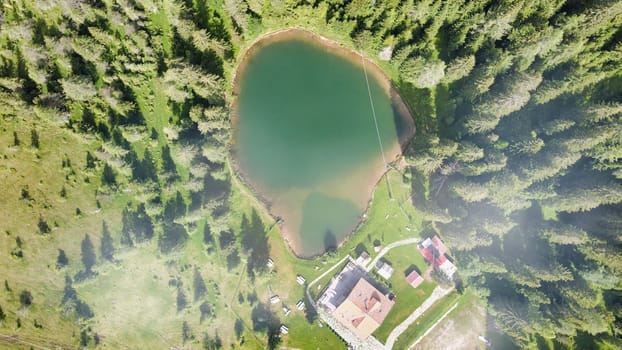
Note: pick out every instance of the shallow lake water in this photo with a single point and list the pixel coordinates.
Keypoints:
(305, 137)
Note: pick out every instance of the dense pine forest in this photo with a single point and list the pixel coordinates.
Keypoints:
(114, 155)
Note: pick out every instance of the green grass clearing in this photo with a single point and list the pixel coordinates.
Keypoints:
(460, 329)
(426, 320)
(408, 298)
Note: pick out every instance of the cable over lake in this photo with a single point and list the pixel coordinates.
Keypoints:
(305, 136)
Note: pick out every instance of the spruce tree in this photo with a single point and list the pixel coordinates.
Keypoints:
(88, 253)
(109, 176)
(198, 285)
(106, 246)
(34, 138)
(61, 260)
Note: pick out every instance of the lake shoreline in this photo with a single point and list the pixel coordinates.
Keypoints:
(403, 137)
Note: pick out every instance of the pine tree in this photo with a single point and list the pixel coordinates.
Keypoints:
(423, 73)
(565, 234)
(470, 191)
(69, 293)
(167, 161)
(173, 236)
(88, 253)
(459, 68)
(43, 225)
(34, 138)
(586, 198)
(109, 176)
(186, 332)
(198, 285)
(90, 160)
(106, 246)
(61, 260)
(182, 302)
(208, 237)
(25, 298)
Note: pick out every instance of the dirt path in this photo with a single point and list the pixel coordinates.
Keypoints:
(339, 263)
(459, 330)
(15, 339)
(389, 247)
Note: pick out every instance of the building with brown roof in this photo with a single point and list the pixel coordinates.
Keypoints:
(364, 309)
(414, 279)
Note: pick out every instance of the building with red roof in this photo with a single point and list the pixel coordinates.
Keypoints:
(414, 279)
(438, 244)
(433, 251)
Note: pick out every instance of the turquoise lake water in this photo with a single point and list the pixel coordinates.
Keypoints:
(305, 138)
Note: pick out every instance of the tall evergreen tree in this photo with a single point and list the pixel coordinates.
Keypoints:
(61, 260)
(106, 245)
(88, 253)
(199, 285)
(109, 177)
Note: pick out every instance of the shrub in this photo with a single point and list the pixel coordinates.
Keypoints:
(61, 260)
(44, 227)
(25, 298)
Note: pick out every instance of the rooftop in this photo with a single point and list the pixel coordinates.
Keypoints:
(385, 270)
(448, 268)
(364, 309)
(414, 279)
(428, 254)
(438, 244)
(363, 258)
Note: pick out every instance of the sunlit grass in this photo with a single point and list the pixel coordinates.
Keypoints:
(426, 320)
(408, 298)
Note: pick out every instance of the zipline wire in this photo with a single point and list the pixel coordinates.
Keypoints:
(373, 111)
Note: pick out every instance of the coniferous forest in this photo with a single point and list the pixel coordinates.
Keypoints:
(115, 140)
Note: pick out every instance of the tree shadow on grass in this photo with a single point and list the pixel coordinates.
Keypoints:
(264, 320)
(310, 312)
(360, 248)
(412, 268)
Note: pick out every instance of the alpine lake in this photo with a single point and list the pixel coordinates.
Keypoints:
(306, 139)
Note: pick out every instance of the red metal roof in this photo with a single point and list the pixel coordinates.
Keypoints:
(441, 259)
(439, 245)
(414, 279)
(428, 255)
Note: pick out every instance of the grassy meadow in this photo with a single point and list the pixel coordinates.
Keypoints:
(430, 317)
(123, 224)
(133, 297)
